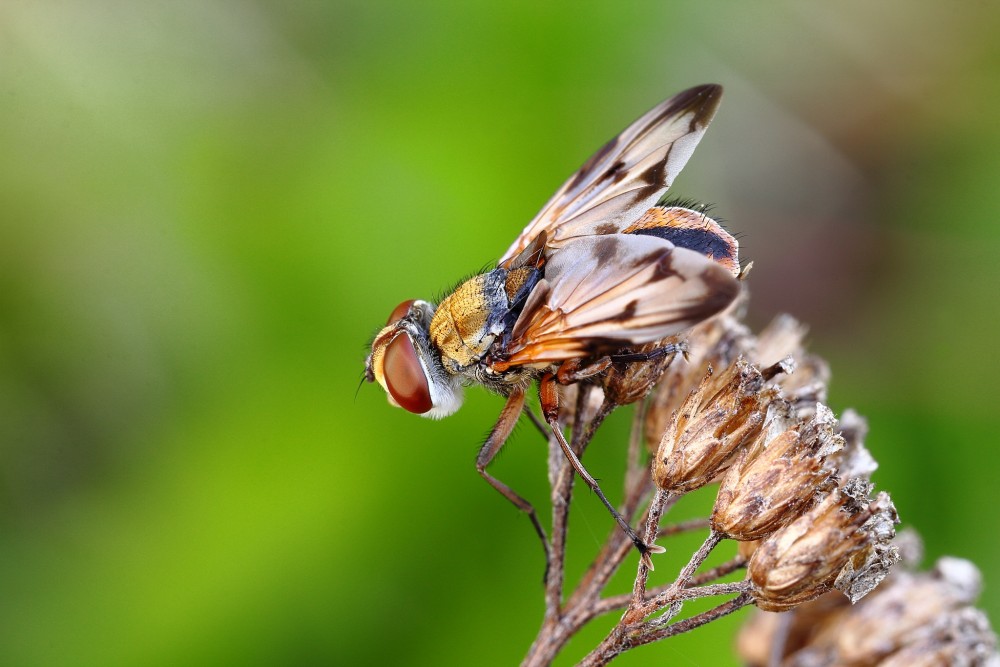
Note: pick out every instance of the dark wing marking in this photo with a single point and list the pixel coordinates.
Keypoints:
(627, 175)
(600, 293)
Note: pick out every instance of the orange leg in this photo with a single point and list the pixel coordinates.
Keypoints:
(498, 436)
(547, 390)
(573, 371)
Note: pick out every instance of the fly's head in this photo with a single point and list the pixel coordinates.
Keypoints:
(407, 365)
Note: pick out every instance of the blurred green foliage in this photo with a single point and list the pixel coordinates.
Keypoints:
(208, 207)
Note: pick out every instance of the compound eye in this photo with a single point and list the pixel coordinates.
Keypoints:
(399, 312)
(404, 376)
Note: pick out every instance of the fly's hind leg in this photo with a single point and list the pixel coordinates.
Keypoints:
(550, 408)
(573, 370)
(656, 353)
(498, 436)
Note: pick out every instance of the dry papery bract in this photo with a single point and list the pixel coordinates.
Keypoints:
(794, 508)
(837, 543)
(777, 475)
(912, 618)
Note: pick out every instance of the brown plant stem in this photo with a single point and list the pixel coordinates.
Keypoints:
(563, 619)
(668, 596)
(719, 571)
(554, 631)
(682, 527)
(688, 624)
(615, 602)
(643, 633)
(656, 508)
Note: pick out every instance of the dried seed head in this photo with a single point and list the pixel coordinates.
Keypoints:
(756, 640)
(717, 419)
(717, 343)
(782, 339)
(802, 560)
(854, 460)
(962, 637)
(912, 619)
(778, 477)
(779, 339)
(867, 568)
(908, 604)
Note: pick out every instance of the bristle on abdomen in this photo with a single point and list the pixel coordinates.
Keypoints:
(691, 229)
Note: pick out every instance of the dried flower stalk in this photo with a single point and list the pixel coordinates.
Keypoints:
(748, 412)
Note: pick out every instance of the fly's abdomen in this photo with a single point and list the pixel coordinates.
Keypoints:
(691, 229)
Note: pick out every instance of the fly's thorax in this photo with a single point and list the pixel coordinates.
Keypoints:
(468, 320)
(518, 282)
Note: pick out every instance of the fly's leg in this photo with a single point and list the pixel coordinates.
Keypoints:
(668, 349)
(498, 436)
(538, 423)
(573, 371)
(548, 394)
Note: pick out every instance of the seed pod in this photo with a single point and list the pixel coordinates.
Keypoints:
(713, 423)
(867, 568)
(802, 560)
(782, 340)
(778, 477)
(907, 610)
(755, 643)
(717, 343)
(745, 549)
(914, 618)
(854, 460)
(961, 637)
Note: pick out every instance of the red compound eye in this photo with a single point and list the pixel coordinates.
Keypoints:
(404, 376)
(399, 312)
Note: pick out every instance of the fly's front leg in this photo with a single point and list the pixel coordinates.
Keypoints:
(548, 393)
(498, 436)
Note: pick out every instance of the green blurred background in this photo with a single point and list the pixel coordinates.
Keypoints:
(208, 207)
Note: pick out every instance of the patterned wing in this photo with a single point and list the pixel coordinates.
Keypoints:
(613, 188)
(601, 293)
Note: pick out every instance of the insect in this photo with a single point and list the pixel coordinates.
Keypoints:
(606, 266)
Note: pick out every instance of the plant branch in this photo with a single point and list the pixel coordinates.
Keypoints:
(644, 633)
(682, 527)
